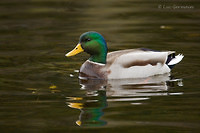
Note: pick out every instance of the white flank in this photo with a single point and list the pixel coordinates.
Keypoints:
(176, 60)
(119, 72)
(137, 71)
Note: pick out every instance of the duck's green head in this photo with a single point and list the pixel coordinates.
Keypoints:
(94, 44)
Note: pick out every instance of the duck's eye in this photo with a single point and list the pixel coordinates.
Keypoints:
(87, 39)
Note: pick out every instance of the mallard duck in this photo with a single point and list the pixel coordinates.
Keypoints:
(122, 64)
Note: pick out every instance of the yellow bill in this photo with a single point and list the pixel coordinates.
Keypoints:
(75, 51)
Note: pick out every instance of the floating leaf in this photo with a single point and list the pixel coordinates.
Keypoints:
(52, 87)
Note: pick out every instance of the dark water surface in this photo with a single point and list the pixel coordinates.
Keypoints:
(39, 86)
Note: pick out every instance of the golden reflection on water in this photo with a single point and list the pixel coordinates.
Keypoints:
(99, 92)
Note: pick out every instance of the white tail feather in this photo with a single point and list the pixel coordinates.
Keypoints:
(176, 60)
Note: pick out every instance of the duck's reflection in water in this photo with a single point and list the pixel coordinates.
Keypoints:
(91, 104)
(99, 92)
